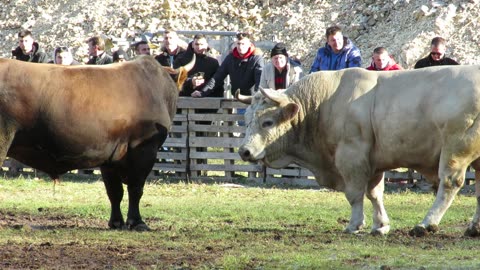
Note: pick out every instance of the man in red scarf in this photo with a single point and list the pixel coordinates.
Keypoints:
(244, 65)
(382, 61)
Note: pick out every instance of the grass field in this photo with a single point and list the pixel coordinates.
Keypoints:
(199, 226)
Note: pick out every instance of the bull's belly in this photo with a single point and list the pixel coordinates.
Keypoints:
(418, 158)
(56, 164)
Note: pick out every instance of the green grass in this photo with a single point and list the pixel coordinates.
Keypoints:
(200, 226)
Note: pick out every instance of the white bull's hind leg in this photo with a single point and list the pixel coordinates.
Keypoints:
(473, 229)
(451, 180)
(375, 190)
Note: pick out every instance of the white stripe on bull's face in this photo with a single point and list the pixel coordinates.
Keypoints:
(269, 129)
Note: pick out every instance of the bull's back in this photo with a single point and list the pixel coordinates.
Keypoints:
(414, 111)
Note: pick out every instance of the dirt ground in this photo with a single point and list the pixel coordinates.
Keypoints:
(83, 255)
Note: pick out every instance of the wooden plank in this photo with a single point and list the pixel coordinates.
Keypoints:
(232, 104)
(216, 117)
(221, 167)
(214, 155)
(215, 142)
(172, 155)
(217, 128)
(198, 103)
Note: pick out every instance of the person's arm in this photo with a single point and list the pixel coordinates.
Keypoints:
(354, 58)
(316, 63)
(218, 77)
(258, 72)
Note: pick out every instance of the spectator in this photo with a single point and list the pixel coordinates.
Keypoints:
(96, 52)
(63, 56)
(142, 48)
(28, 50)
(436, 57)
(339, 52)
(244, 65)
(203, 70)
(170, 49)
(382, 61)
(119, 56)
(280, 72)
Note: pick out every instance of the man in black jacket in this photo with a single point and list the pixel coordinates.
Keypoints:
(244, 65)
(96, 51)
(28, 50)
(437, 55)
(203, 70)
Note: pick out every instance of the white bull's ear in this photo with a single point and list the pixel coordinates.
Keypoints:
(277, 96)
(289, 111)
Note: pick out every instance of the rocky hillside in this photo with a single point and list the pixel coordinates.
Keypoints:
(405, 27)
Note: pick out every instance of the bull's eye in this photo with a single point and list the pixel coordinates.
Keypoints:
(267, 124)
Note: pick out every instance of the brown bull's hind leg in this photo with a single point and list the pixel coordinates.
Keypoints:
(113, 185)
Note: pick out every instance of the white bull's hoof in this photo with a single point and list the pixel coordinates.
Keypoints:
(381, 231)
(354, 229)
(421, 231)
(472, 231)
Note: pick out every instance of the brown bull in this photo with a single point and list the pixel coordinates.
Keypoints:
(56, 119)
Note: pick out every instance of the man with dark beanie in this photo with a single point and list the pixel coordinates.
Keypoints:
(280, 72)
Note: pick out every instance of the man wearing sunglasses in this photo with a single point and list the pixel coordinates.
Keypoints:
(437, 55)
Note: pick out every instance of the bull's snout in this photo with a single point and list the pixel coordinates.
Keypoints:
(244, 153)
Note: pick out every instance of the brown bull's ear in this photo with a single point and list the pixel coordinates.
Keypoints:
(289, 111)
(242, 98)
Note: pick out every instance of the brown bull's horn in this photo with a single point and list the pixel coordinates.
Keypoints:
(187, 67)
(182, 72)
(242, 98)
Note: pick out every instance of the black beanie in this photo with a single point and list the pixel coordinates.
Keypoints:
(279, 48)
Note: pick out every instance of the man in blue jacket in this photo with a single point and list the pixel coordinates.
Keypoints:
(339, 52)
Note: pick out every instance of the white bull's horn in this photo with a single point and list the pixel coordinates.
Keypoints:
(276, 96)
(242, 98)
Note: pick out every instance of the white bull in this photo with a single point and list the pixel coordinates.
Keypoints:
(350, 126)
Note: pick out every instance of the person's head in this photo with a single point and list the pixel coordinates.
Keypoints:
(170, 40)
(243, 43)
(279, 56)
(438, 48)
(200, 44)
(62, 56)
(119, 56)
(334, 38)
(142, 48)
(25, 41)
(96, 46)
(380, 57)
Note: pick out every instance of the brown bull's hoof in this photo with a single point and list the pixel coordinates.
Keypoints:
(142, 227)
(472, 232)
(117, 225)
(418, 231)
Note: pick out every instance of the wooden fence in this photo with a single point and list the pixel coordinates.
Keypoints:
(203, 145)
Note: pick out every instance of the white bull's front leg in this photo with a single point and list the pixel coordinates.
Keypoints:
(375, 190)
(352, 163)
